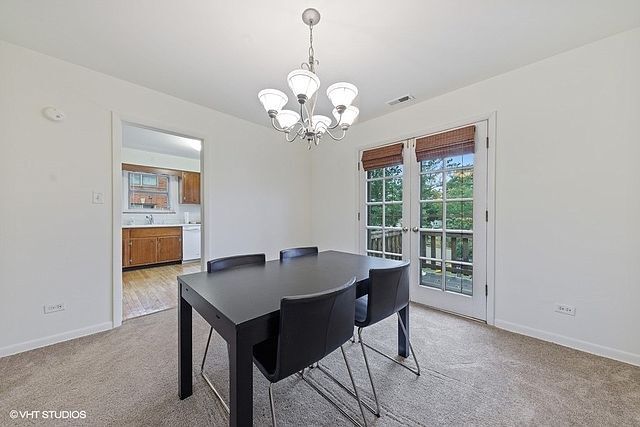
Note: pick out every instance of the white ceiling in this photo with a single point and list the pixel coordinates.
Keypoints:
(158, 142)
(221, 53)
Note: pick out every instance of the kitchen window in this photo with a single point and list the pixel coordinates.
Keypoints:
(148, 191)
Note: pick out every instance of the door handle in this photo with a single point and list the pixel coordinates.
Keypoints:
(405, 229)
(415, 229)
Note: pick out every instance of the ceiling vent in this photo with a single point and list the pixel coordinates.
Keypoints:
(402, 99)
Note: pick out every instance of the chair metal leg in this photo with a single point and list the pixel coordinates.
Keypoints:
(366, 363)
(273, 406)
(207, 380)
(413, 353)
(353, 383)
(206, 349)
(347, 389)
(330, 400)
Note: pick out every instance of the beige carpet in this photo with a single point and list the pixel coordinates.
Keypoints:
(472, 375)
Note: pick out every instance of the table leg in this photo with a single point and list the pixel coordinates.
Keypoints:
(403, 344)
(241, 382)
(185, 374)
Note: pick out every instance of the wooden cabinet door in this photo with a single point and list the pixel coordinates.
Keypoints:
(190, 188)
(169, 248)
(142, 251)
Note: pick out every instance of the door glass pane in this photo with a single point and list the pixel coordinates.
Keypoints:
(459, 278)
(431, 215)
(430, 244)
(374, 191)
(374, 173)
(460, 184)
(396, 257)
(393, 215)
(431, 273)
(460, 247)
(373, 254)
(393, 170)
(374, 239)
(393, 241)
(393, 190)
(431, 186)
(459, 161)
(374, 215)
(431, 165)
(460, 215)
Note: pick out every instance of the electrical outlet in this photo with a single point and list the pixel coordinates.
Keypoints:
(52, 308)
(565, 309)
(98, 198)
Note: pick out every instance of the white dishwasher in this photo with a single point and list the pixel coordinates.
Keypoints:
(190, 242)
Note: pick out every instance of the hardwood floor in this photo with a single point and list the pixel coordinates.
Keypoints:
(153, 289)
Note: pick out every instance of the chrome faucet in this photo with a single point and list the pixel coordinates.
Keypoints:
(149, 219)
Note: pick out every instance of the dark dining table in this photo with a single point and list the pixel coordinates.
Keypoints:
(243, 306)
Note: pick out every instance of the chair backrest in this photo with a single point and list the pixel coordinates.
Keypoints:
(296, 252)
(388, 292)
(220, 264)
(312, 326)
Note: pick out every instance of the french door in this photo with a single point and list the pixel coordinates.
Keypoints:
(432, 212)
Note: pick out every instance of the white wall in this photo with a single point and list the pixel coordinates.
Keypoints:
(56, 246)
(159, 160)
(567, 190)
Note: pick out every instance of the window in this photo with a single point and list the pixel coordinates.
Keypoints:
(148, 191)
(384, 212)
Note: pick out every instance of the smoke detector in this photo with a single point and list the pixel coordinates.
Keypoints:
(400, 100)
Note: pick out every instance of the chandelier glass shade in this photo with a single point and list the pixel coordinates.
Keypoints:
(304, 83)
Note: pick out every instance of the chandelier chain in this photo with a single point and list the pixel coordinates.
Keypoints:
(312, 59)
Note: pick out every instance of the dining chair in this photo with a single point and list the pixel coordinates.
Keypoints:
(388, 293)
(296, 252)
(311, 327)
(221, 264)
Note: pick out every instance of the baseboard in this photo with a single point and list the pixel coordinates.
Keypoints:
(54, 339)
(600, 350)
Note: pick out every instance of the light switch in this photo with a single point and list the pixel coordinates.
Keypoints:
(98, 198)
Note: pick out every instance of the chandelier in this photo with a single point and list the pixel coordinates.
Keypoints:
(304, 83)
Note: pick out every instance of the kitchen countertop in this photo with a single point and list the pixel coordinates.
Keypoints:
(155, 225)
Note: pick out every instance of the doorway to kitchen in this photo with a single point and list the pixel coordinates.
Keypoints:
(160, 216)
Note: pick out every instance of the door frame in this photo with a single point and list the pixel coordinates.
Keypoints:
(491, 119)
(117, 120)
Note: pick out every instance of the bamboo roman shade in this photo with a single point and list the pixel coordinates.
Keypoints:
(454, 142)
(382, 157)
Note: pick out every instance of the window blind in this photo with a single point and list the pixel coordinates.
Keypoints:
(453, 142)
(382, 157)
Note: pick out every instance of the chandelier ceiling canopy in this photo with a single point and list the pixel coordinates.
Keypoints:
(304, 83)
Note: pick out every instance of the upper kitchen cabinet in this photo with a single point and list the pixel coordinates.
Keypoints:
(190, 188)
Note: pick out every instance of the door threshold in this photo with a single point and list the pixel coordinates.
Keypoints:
(450, 312)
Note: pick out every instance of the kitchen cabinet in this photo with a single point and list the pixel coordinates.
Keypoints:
(142, 251)
(190, 188)
(153, 245)
(169, 249)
